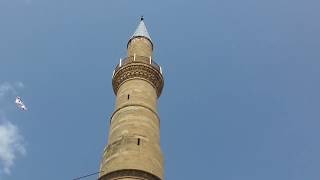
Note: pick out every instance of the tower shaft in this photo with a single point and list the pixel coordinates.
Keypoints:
(133, 150)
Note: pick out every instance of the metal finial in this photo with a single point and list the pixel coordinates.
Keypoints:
(141, 18)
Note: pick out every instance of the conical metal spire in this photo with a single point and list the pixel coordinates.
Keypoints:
(141, 31)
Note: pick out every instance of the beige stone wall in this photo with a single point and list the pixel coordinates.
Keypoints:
(134, 135)
(135, 121)
(140, 93)
(129, 174)
(140, 46)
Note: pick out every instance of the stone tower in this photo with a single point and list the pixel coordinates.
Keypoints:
(133, 151)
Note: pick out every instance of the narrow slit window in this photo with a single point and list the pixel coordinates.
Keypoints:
(138, 142)
(128, 96)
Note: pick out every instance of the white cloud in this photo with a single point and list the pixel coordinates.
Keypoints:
(11, 144)
(11, 141)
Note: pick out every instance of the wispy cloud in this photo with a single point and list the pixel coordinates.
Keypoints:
(19, 84)
(11, 141)
(11, 144)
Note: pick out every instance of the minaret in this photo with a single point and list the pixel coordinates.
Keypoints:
(133, 151)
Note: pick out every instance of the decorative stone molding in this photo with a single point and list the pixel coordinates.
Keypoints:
(138, 70)
(134, 173)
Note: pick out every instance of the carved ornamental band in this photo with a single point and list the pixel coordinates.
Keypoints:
(138, 70)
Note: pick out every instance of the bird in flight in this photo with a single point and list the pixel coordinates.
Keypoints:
(20, 104)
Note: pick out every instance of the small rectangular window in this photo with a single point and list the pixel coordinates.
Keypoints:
(138, 142)
(128, 96)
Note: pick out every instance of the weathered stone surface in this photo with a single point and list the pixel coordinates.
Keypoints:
(129, 174)
(133, 151)
(140, 46)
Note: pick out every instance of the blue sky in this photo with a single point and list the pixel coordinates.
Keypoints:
(241, 97)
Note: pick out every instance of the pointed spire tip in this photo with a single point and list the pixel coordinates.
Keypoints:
(141, 31)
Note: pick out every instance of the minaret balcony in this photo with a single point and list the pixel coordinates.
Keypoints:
(138, 67)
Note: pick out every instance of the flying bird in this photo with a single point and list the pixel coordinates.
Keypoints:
(20, 104)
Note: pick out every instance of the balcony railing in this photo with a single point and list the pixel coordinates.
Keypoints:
(143, 59)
